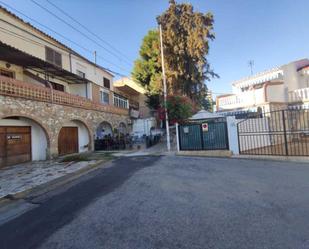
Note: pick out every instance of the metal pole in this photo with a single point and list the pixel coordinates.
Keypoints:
(168, 143)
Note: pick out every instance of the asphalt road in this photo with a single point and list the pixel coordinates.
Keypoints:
(172, 202)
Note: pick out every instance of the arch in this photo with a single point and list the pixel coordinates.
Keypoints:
(31, 117)
(103, 129)
(84, 135)
(122, 128)
(40, 139)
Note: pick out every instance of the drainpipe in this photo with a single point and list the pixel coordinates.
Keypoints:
(70, 59)
(50, 86)
(86, 89)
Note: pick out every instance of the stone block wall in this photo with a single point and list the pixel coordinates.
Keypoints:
(52, 117)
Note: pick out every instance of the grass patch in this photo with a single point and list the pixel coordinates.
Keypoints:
(106, 156)
(75, 158)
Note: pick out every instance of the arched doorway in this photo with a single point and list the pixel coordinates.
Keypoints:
(104, 137)
(22, 139)
(74, 137)
(122, 129)
(104, 129)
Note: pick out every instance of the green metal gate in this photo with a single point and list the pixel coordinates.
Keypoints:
(194, 137)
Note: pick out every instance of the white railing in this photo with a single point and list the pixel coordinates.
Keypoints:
(299, 95)
(236, 101)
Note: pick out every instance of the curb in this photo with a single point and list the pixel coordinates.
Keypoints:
(50, 185)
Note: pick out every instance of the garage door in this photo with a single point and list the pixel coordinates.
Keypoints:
(68, 140)
(15, 145)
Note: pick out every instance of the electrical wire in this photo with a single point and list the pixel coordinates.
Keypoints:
(64, 37)
(77, 30)
(24, 38)
(88, 30)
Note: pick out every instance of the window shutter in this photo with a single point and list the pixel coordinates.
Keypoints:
(49, 55)
(107, 83)
(58, 59)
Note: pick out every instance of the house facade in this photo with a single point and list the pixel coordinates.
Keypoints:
(142, 117)
(274, 89)
(53, 101)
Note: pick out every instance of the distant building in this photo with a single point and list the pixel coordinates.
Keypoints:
(277, 88)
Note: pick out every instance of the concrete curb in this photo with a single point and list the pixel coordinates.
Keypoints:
(48, 186)
(295, 159)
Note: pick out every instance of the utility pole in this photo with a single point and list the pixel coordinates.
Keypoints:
(251, 64)
(168, 143)
(95, 57)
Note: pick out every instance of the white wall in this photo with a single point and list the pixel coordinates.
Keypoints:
(275, 93)
(232, 134)
(38, 137)
(143, 126)
(79, 89)
(83, 135)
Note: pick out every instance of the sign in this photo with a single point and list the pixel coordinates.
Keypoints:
(205, 127)
(13, 137)
(186, 129)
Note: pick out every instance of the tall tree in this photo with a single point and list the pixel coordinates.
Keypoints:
(147, 68)
(186, 36)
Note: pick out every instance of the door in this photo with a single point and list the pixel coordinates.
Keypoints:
(190, 137)
(15, 145)
(68, 140)
(215, 138)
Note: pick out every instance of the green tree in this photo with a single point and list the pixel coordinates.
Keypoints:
(147, 68)
(186, 36)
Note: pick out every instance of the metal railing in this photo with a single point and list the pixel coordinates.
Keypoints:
(299, 95)
(16, 88)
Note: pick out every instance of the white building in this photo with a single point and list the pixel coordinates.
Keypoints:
(277, 88)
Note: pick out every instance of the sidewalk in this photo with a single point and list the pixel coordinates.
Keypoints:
(22, 178)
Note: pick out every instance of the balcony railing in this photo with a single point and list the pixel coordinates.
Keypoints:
(16, 88)
(241, 100)
(299, 95)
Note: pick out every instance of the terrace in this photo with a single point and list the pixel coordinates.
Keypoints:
(20, 89)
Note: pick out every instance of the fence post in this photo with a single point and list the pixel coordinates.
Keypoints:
(284, 132)
(232, 130)
(177, 137)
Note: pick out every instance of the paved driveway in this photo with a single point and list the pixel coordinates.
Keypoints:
(174, 202)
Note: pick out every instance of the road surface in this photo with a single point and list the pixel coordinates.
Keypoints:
(171, 202)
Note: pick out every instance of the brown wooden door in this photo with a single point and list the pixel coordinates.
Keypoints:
(68, 140)
(15, 145)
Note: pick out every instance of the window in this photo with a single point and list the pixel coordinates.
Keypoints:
(120, 101)
(6, 73)
(80, 74)
(57, 86)
(106, 83)
(104, 97)
(53, 57)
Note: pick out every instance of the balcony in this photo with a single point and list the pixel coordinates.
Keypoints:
(241, 100)
(20, 89)
(299, 95)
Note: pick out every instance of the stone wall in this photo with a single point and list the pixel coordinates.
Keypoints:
(51, 118)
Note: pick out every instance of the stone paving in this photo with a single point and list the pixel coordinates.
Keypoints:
(15, 179)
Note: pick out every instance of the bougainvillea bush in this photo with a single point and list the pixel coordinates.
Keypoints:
(179, 108)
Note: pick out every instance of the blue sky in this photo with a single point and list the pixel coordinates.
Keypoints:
(270, 32)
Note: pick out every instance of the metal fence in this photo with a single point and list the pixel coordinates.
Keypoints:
(212, 137)
(281, 133)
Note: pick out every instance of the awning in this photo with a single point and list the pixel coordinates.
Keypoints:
(129, 86)
(15, 56)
